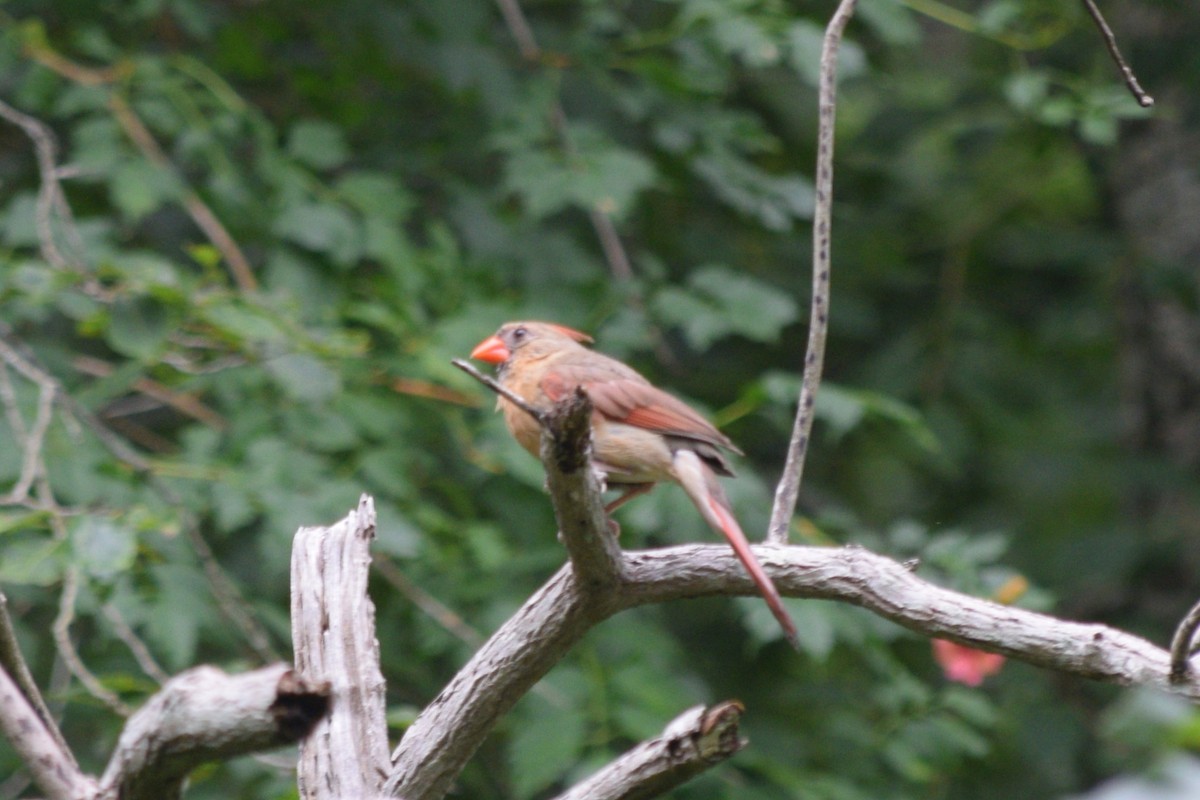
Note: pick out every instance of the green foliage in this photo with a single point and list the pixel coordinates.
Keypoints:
(398, 181)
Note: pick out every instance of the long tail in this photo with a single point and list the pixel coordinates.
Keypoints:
(702, 487)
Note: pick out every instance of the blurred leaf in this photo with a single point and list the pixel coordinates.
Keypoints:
(139, 187)
(722, 303)
(32, 562)
(542, 750)
(139, 328)
(304, 377)
(102, 546)
(324, 228)
(597, 176)
(318, 144)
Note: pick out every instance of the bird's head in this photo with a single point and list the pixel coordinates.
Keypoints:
(526, 338)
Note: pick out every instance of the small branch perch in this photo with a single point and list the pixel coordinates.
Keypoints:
(694, 741)
(566, 453)
(494, 385)
(203, 715)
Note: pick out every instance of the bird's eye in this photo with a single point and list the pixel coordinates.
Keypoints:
(519, 334)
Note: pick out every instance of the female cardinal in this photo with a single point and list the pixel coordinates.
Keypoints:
(640, 434)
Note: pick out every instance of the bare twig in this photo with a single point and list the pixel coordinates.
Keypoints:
(1110, 41)
(66, 648)
(495, 386)
(182, 402)
(29, 439)
(51, 765)
(518, 26)
(201, 214)
(12, 662)
(136, 646)
(438, 611)
(694, 741)
(1182, 644)
(50, 194)
(788, 490)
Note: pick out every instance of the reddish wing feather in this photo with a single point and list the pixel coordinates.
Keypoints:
(630, 399)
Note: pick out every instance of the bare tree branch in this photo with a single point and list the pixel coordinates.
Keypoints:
(141, 653)
(204, 715)
(887, 588)
(1110, 41)
(333, 629)
(494, 385)
(584, 528)
(13, 662)
(50, 193)
(434, 608)
(788, 490)
(201, 214)
(51, 765)
(1183, 644)
(66, 648)
(447, 733)
(694, 741)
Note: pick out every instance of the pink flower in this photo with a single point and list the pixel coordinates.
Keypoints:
(965, 664)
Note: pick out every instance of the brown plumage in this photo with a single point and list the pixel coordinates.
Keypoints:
(641, 435)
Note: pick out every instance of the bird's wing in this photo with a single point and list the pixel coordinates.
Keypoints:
(622, 395)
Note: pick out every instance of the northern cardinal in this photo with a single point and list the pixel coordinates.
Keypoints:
(640, 434)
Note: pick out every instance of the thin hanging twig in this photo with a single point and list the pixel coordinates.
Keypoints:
(818, 323)
(1110, 41)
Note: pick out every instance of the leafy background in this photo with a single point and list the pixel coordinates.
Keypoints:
(1012, 357)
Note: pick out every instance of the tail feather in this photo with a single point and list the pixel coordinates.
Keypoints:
(704, 490)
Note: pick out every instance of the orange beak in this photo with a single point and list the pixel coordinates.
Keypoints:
(491, 350)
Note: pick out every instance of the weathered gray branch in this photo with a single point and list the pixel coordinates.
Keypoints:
(575, 488)
(12, 661)
(694, 741)
(203, 715)
(887, 588)
(333, 631)
(51, 765)
(447, 733)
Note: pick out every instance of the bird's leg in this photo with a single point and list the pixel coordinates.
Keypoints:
(631, 490)
(628, 492)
